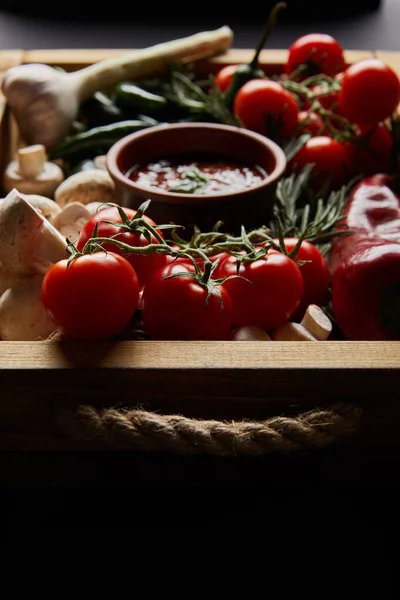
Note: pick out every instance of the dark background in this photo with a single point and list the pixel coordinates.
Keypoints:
(367, 24)
(331, 511)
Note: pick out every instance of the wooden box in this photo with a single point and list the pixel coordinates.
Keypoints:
(219, 398)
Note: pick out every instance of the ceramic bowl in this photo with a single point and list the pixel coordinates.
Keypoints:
(249, 206)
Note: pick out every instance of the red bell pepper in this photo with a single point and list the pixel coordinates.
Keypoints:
(365, 263)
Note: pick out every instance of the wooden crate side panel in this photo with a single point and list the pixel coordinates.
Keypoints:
(8, 130)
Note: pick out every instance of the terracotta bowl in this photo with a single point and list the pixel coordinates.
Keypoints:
(250, 206)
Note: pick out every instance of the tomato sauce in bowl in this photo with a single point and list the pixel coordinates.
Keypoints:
(197, 174)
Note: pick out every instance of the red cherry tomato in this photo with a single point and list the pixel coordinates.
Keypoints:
(223, 78)
(371, 152)
(330, 159)
(310, 122)
(179, 308)
(144, 265)
(93, 296)
(319, 52)
(315, 272)
(370, 92)
(263, 105)
(267, 293)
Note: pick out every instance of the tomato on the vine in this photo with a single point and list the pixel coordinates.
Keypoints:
(318, 53)
(330, 159)
(371, 151)
(92, 296)
(370, 92)
(223, 78)
(266, 107)
(314, 270)
(268, 291)
(310, 122)
(144, 264)
(180, 308)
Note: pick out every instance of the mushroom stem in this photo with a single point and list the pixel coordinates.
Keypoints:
(45, 101)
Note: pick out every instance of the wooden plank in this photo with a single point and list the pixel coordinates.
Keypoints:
(271, 59)
(390, 58)
(8, 131)
(200, 355)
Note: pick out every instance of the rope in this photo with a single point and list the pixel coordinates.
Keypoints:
(141, 430)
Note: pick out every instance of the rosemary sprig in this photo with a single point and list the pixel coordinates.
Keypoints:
(302, 212)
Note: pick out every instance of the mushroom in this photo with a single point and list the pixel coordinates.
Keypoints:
(29, 243)
(317, 322)
(46, 206)
(23, 316)
(292, 332)
(7, 278)
(315, 326)
(250, 333)
(71, 218)
(46, 101)
(31, 173)
(96, 207)
(87, 186)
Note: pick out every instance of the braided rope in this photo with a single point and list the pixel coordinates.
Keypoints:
(141, 430)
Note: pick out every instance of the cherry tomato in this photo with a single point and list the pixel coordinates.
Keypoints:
(259, 100)
(320, 52)
(370, 92)
(371, 152)
(94, 296)
(267, 293)
(330, 159)
(178, 308)
(310, 122)
(315, 272)
(144, 265)
(223, 78)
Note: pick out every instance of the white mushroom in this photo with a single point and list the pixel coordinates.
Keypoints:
(29, 243)
(250, 333)
(7, 279)
(292, 332)
(96, 207)
(46, 206)
(87, 186)
(23, 316)
(317, 322)
(71, 218)
(46, 101)
(31, 173)
(100, 162)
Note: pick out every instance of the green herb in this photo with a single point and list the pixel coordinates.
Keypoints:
(301, 212)
(193, 180)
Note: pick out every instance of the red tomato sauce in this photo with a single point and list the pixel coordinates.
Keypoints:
(197, 175)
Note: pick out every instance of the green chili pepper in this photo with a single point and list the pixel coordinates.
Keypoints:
(246, 72)
(99, 138)
(100, 110)
(130, 96)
